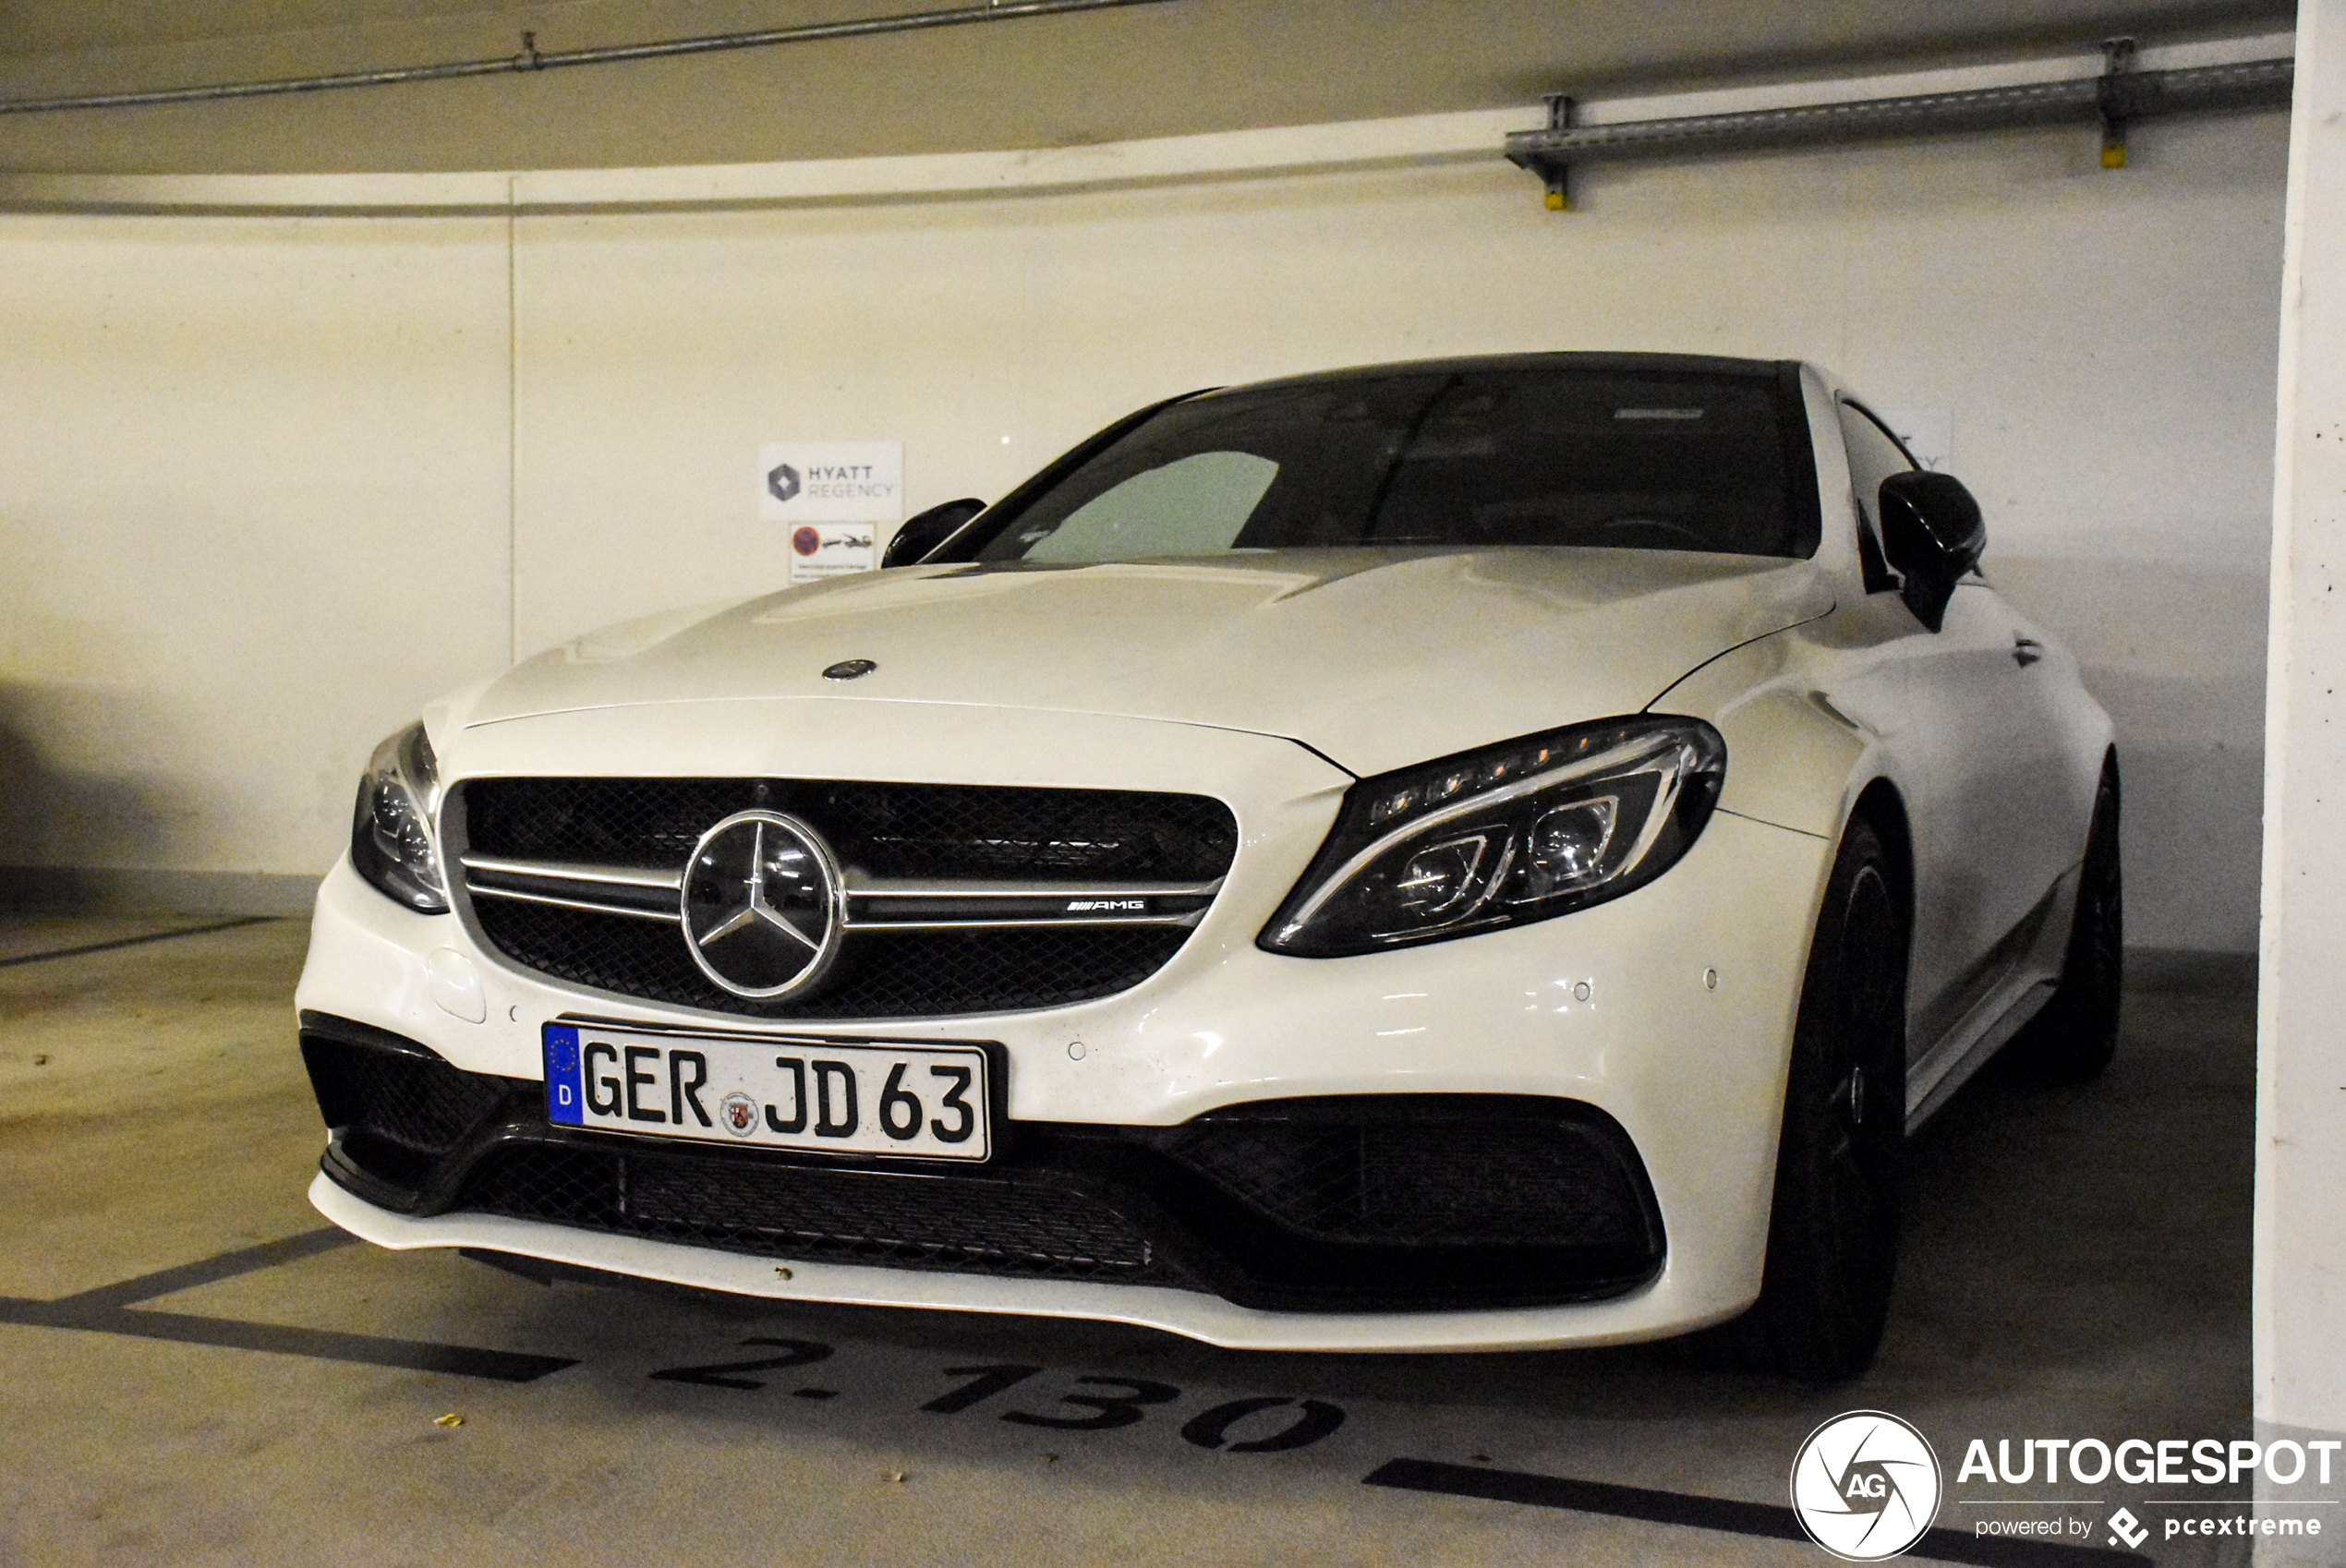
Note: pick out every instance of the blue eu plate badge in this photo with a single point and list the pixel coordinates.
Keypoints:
(562, 1090)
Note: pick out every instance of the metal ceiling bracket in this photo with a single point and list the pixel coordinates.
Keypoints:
(1557, 173)
(2118, 63)
(2117, 97)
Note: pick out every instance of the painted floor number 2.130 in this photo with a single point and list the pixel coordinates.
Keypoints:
(1093, 1404)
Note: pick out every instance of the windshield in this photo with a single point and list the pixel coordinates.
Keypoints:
(1651, 460)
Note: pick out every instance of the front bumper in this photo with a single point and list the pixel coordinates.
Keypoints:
(1668, 1014)
(1369, 1202)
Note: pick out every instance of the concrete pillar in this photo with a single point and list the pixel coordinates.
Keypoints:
(2301, 1108)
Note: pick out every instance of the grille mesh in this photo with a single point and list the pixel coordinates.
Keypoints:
(929, 832)
(908, 830)
(1438, 1182)
(960, 1224)
(401, 1111)
(889, 974)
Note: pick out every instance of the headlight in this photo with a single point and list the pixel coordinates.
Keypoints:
(390, 840)
(1515, 833)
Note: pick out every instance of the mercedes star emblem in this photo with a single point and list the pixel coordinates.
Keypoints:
(763, 904)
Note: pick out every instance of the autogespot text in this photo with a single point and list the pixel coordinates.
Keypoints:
(2178, 1462)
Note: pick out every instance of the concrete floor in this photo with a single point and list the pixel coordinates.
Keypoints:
(2076, 1266)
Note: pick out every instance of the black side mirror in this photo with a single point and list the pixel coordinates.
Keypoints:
(1932, 533)
(923, 531)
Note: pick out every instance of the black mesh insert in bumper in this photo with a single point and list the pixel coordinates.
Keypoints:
(400, 1109)
(1421, 1170)
(960, 1222)
(1373, 1202)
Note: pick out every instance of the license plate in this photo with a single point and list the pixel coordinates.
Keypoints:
(922, 1101)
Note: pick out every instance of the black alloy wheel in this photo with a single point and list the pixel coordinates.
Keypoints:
(1833, 1233)
(2075, 1036)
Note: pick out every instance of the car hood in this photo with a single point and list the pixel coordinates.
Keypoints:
(1374, 659)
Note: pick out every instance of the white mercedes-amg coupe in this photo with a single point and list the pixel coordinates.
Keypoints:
(1457, 855)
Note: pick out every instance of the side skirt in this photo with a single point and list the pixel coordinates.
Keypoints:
(2031, 956)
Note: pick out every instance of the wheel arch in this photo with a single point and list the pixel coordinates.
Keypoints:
(1821, 1306)
(1880, 807)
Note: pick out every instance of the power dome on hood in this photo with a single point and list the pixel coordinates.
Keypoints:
(1374, 659)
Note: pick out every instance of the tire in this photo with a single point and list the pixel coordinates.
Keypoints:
(1832, 1231)
(2075, 1035)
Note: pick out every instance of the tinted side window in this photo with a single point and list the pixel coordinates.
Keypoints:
(1873, 457)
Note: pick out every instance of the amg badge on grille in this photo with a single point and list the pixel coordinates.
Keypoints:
(763, 904)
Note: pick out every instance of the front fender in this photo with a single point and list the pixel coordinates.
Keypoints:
(1796, 757)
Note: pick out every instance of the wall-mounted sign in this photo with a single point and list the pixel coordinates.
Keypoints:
(833, 496)
(826, 549)
(832, 481)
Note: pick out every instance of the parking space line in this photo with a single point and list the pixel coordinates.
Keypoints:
(135, 941)
(322, 1344)
(187, 1276)
(1722, 1514)
(106, 1310)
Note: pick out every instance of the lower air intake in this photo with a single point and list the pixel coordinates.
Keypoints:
(849, 1216)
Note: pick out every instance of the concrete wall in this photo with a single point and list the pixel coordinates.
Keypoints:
(264, 478)
(2301, 1142)
(252, 503)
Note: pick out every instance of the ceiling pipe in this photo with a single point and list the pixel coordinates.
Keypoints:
(2119, 96)
(532, 58)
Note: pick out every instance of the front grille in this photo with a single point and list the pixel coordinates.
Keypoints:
(961, 898)
(1344, 1203)
(849, 1216)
